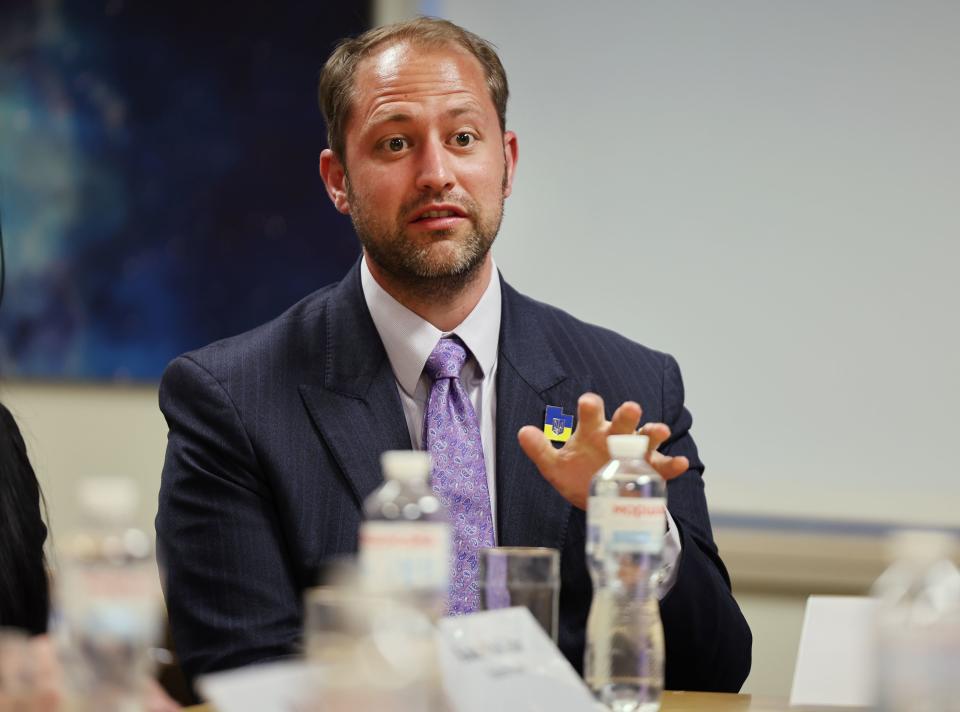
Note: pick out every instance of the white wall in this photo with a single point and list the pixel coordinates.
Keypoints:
(78, 431)
(775, 621)
(767, 190)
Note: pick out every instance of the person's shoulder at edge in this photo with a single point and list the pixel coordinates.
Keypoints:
(562, 330)
(24, 591)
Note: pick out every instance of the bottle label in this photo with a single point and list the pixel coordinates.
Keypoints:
(627, 524)
(398, 556)
(102, 601)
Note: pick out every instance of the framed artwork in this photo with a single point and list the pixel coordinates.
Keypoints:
(158, 177)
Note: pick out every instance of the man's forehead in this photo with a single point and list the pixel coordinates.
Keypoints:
(387, 59)
(386, 64)
(402, 71)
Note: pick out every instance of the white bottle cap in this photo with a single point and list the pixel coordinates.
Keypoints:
(406, 465)
(111, 500)
(920, 545)
(626, 447)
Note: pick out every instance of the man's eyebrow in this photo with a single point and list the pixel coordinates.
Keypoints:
(400, 117)
(469, 107)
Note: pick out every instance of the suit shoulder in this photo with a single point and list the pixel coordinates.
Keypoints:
(568, 333)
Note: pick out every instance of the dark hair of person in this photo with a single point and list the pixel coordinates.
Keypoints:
(336, 79)
(24, 587)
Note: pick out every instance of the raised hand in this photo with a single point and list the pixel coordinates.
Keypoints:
(570, 468)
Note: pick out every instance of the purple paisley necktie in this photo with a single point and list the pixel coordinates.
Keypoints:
(451, 434)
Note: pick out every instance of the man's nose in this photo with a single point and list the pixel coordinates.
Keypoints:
(435, 172)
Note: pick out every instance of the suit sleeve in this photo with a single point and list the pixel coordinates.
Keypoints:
(229, 590)
(708, 641)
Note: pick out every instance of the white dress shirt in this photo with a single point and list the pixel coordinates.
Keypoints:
(409, 339)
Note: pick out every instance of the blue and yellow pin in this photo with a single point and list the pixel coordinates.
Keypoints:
(556, 425)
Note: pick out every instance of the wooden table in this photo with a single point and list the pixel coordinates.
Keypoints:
(715, 702)
(702, 702)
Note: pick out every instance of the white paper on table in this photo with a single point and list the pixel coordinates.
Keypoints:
(835, 660)
(503, 660)
(272, 687)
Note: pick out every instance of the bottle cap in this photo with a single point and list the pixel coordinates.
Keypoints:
(631, 446)
(112, 500)
(406, 465)
(920, 545)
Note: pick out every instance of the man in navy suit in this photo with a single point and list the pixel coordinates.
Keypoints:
(275, 435)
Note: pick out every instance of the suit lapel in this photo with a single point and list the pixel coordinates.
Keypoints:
(530, 512)
(353, 401)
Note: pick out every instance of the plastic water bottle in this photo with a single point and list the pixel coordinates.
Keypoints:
(626, 521)
(918, 625)
(109, 600)
(405, 538)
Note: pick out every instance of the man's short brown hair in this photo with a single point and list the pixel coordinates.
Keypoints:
(337, 77)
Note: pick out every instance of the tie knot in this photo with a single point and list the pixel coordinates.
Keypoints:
(446, 359)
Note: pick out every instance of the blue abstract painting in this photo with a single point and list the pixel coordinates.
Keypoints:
(158, 177)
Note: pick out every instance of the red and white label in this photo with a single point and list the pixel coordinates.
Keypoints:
(628, 524)
(400, 556)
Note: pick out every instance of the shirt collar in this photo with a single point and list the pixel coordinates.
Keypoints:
(408, 339)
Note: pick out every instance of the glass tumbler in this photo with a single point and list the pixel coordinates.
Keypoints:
(522, 576)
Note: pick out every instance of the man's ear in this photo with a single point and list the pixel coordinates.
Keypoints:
(334, 175)
(510, 156)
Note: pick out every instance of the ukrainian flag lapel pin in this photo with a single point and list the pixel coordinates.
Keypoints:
(556, 425)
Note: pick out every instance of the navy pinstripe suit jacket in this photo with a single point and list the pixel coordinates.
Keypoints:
(274, 443)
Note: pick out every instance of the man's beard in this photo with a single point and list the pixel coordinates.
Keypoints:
(415, 268)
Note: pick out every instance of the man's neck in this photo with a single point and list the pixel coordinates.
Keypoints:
(445, 311)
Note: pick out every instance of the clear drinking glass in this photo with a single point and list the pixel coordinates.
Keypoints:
(522, 576)
(369, 651)
(29, 675)
(108, 600)
(16, 673)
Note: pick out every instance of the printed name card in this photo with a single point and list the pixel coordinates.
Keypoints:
(504, 660)
(835, 658)
(490, 661)
(272, 687)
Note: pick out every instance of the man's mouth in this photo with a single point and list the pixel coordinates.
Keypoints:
(438, 212)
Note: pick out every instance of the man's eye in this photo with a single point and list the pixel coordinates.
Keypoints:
(396, 144)
(463, 139)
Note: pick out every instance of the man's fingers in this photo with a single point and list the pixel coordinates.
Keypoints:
(547, 459)
(667, 467)
(538, 448)
(626, 418)
(590, 412)
(658, 434)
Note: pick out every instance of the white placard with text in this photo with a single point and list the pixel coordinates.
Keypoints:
(503, 660)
